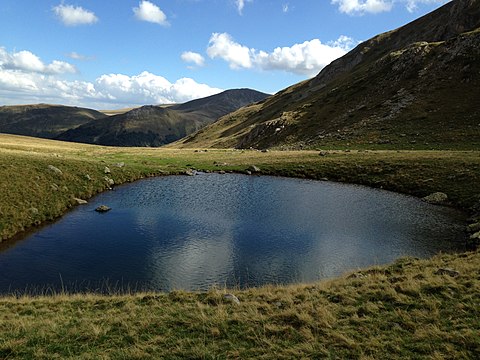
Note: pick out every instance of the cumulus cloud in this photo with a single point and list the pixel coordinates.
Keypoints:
(147, 11)
(240, 5)
(307, 58)
(74, 15)
(29, 62)
(25, 78)
(360, 7)
(193, 58)
(285, 8)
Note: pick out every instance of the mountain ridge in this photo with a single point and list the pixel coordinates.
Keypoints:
(411, 87)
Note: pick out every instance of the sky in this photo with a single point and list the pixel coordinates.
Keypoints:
(124, 53)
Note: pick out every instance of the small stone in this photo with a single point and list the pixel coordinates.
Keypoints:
(436, 198)
(473, 227)
(323, 153)
(278, 304)
(232, 298)
(102, 209)
(222, 172)
(80, 201)
(120, 164)
(106, 170)
(264, 150)
(88, 177)
(254, 169)
(190, 172)
(109, 181)
(55, 170)
(447, 271)
(475, 236)
(248, 172)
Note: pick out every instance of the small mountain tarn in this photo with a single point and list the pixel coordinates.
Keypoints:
(413, 87)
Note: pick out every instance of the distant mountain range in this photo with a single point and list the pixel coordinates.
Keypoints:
(144, 126)
(416, 86)
(42, 120)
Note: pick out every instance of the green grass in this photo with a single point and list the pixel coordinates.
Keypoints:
(402, 310)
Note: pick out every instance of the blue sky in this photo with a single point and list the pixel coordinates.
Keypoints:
(116, 54)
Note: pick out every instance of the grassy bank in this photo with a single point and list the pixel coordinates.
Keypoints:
(410, 309)
(407, 310)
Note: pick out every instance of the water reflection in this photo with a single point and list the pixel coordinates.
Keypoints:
(228, 230)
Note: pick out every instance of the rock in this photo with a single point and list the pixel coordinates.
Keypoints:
(436, 198)
(80, 201)
(254, 169)
(102, 209)
(109, 181)
(190, 172)
(447, 271)
(120, 164)
(264, 150)
(55, 170)
(323, 153)
(222, 172)
(88, 177)
(232, 298)
(106, 170)
(475, 236)
(248, 172)
(473, 227)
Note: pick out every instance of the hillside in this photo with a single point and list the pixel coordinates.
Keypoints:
(413, 87)
(42, 120)
(155, 125)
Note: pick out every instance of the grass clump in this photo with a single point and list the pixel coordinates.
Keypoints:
(404, 310)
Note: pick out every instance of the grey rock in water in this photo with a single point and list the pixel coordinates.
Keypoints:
(232, 298)
(102, 209)
(80, 201)
(55, 170)
(436, 198)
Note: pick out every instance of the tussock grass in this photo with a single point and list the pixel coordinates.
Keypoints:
(403, 310)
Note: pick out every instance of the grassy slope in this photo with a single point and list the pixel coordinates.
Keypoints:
(401, 310)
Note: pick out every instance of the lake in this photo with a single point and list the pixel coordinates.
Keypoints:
(196, 232)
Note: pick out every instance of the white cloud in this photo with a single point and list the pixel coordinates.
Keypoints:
(74, 15)
(285, 8)
(360, 7)
(24, 78)
(223, 46)
(193, 57)
(241, 4)
(29, 62)
(307, 58)
(147, 11)
(76, 56)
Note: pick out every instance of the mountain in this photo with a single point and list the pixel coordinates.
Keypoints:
(416, 86)
(42, 120)
(156, 125)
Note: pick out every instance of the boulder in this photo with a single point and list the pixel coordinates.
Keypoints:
(231, 298)
(436, 198)
(55, 170)
(254, 169)
(80, 201)
(102, 209)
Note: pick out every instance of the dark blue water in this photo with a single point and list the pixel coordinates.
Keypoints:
(192, 233)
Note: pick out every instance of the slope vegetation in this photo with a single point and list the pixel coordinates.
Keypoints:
(42, 120)
(155, 125)
(413, 87)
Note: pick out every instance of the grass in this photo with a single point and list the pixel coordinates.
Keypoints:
(403, 310)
